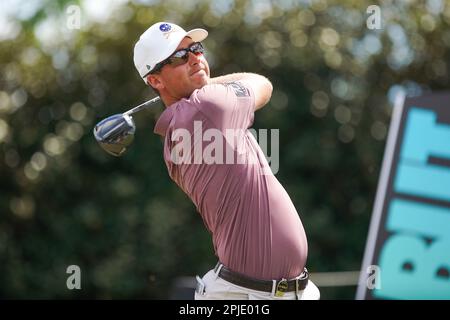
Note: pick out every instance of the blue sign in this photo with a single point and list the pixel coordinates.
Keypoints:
(409, 237)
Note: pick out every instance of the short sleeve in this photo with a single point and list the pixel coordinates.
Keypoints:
(227, 106)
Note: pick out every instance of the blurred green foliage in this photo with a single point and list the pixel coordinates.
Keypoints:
(64, 201)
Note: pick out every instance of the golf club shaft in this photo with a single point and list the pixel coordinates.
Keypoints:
(142, 106)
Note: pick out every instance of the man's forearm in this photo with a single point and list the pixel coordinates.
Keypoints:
(233, 77)
(261, 86)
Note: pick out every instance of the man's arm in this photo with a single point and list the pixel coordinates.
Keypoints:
(261, 86)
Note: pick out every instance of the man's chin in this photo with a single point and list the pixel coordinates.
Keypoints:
(200, 76)
(201, 82)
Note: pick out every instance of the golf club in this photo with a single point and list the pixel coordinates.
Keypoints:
(116, 133)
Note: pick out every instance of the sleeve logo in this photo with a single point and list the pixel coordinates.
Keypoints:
(239, 89)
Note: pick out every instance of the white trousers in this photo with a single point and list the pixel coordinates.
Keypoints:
(212, 287)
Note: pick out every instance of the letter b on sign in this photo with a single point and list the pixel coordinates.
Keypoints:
(416, 259)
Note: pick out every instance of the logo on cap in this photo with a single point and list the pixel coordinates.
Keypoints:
(165, 27)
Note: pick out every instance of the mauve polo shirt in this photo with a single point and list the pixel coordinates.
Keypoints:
(256, 230)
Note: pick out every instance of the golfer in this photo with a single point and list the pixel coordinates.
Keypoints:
(256, 231)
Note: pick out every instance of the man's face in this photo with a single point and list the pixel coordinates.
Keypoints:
(180, 81)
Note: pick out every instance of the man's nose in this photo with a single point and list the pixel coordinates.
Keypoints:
(194, 58)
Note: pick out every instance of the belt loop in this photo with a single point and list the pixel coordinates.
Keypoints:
(274, 288)
(218, 268)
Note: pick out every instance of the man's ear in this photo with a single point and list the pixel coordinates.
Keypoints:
(155, 82)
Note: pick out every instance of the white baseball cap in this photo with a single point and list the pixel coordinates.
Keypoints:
(158, 42)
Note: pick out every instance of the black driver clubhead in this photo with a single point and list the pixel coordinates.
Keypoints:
(115, 133)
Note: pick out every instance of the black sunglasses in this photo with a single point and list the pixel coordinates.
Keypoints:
(179, 57)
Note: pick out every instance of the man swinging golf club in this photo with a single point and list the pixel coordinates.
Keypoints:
(257, 234)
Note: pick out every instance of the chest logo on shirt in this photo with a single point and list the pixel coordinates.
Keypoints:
(239, 89)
